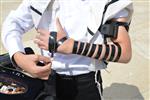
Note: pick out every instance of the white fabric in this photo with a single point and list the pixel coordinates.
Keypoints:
(16, 23)
(74, 16)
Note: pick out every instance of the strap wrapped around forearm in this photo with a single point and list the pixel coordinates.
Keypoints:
(53, 43)
(107, 52)
(119, 52)
(61, 41)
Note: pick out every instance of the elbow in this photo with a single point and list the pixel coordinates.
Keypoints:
(126, 55)
(127, 58)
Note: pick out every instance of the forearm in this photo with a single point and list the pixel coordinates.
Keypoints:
(12, 42)
(119, 50)
(110, 52)
(114, 52)
(18, 59)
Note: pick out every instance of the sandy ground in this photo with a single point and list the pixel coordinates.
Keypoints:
(121, 81)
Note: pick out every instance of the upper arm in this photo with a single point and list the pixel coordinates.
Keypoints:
(123, 39)
(19, 19)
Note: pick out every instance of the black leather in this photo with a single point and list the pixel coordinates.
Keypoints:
(52, 42)
(92, 50)
(86, 49)
(75, 47)
(81, 48)
(119, 52)
(113, 50)
(99, 52)
(107, 52)
(61, 41)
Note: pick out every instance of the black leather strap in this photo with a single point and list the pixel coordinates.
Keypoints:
(61, 41)
(75, 47)
(81, 48)
(105, 9)
(107, 52)
(86, 49)
(99, 52)
(119, 52)
(92, 50)
(113, 50)
(125, 24)
(52, 42)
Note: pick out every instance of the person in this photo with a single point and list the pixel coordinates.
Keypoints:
(72, 43)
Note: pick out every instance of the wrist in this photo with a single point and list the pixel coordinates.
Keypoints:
(16, 58)
(18, 55)
(67, 46)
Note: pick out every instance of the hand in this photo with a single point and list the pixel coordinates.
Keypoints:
(29, 64)
(43, 38)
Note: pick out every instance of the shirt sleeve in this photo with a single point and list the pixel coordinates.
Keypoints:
(122, 13)
(15, 25)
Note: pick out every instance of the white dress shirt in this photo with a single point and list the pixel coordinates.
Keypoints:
(73, 15)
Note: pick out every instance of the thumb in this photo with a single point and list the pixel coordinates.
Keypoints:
(44, 59)
(59, 26)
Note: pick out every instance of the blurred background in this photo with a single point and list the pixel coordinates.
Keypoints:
(121, 81)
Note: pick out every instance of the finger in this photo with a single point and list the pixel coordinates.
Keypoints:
(42, 31)
(37, 58)
(47, 67)
(38, 42)
(45, 78)
(43, 47)
(44, 75)
(44, 59)
(59, 26)
(39, 37)
(44, 70)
